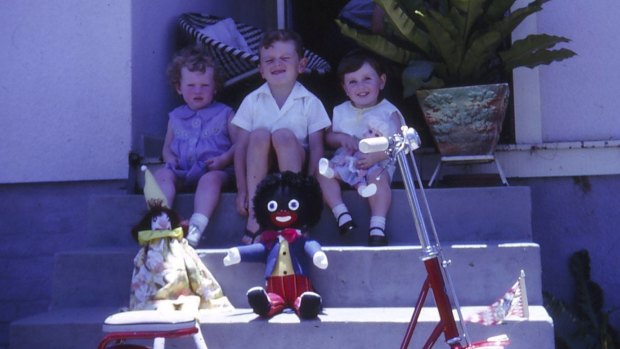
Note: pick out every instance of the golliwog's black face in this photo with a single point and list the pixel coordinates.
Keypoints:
(284, 209)
(288, 200)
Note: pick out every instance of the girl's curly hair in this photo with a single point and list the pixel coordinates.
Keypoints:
(194, 58)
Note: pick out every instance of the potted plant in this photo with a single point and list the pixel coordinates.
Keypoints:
(445, 44)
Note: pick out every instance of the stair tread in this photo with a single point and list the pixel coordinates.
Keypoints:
(97, 315)
(460, 215)
(482, 273)
(335, 328)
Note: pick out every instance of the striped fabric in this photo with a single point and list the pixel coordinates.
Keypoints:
(237, 64)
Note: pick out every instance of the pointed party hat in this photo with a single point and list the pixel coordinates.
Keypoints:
(152, 192)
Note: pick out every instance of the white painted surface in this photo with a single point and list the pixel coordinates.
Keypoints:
(64, 90)
(80, 79)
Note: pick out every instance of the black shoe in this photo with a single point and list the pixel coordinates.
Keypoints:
(258, 300)
(309, 305)
(345, 227)
(377, 240)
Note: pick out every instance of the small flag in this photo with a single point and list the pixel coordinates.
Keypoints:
(512, 306)
(497, 342)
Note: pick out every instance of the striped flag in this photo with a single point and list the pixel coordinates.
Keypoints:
(512, 305)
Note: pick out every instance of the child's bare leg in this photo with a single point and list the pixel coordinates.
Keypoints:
(333, 198)
(167, 183)
(257, 160)
(290, 153)
(379, 207)
(206, 199)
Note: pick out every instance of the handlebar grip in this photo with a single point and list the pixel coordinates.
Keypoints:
(375, 144)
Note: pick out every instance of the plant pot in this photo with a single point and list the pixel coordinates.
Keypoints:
(465, 121)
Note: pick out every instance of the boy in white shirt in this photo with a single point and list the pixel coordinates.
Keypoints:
(280, 123)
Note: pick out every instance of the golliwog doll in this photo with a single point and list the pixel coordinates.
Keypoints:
(286, 204)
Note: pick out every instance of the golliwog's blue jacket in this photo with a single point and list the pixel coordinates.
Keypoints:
(302, 250)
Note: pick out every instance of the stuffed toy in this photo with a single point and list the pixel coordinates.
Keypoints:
(168, 273)
(343, 165)
(286, 204)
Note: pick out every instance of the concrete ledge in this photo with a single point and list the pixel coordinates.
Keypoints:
(335, 328)
(499, 214)
(356, 276)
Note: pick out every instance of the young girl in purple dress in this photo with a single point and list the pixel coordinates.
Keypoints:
(198, 148)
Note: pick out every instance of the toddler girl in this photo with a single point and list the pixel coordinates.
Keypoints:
(198, 150)
(362, 79)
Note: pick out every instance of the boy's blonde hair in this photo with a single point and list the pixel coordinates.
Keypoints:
(195, 59)
(283, 35)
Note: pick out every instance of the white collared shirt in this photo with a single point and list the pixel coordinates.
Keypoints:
(302, 112)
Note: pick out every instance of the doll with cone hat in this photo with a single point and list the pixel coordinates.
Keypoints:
(168, 273)
(287, 204)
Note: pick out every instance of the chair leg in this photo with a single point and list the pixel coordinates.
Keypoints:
(199, 340)
(435, 173)
(501, 173)
(159, 343)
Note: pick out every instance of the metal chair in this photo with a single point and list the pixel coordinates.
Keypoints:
(150, 324)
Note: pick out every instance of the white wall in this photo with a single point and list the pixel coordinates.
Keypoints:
(64, 89)
(580, 99)
(156, 36)
(78, 78)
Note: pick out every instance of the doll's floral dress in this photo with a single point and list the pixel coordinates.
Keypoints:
(167, 269)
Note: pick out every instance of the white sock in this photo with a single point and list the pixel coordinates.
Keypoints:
(377, 222)
(366, 191)
(324, 168)
(199, 220)
(338, 210)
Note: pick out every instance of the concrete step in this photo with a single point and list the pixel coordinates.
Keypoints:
(466, 215)
(356, 277)
(335, 328)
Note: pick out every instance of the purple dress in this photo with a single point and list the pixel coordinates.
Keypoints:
(198, 136)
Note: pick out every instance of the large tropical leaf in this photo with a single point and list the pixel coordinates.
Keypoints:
(379, 45)
(472, 10)
(513, 19)
(478, 55)
(442, 41)
(534, 50)
(497, 10)
(405, 25)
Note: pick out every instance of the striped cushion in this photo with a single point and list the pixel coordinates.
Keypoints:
(237, 64)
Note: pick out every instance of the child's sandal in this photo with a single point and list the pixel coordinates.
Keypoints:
(344, 228)
(252, 236)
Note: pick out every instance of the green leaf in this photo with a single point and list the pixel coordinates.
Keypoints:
(513, 19)
(405, 25)
(478, 54)
(534, 50)
(379, 45)
(443, 42)
(472, 10)
(497, 10)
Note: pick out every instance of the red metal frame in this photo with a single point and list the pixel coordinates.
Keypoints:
(437, 279)
(118, 336)
(447, 324)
